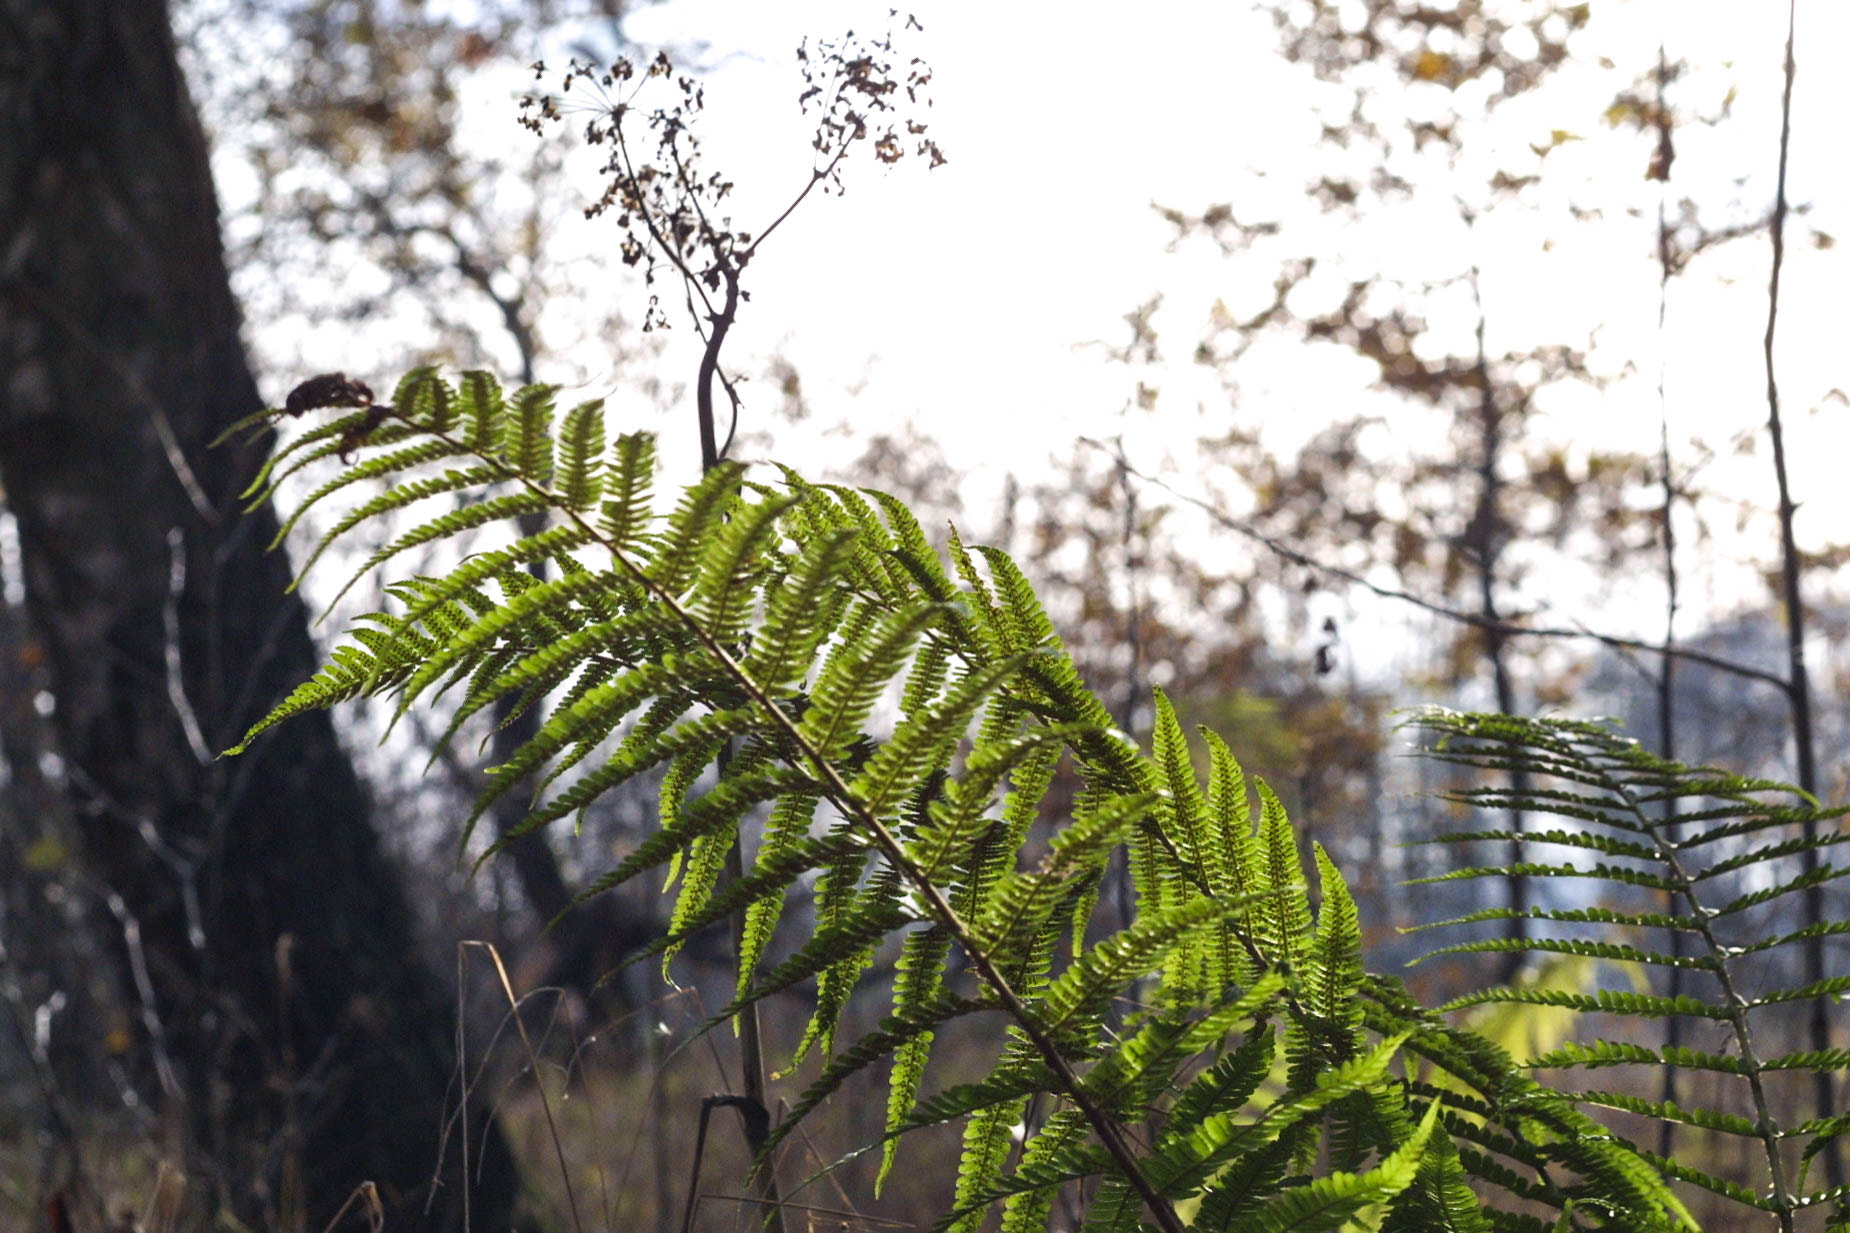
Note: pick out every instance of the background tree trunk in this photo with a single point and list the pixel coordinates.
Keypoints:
(289, 1034)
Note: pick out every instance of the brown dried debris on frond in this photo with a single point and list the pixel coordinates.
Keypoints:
(337, 389)
(330, 389)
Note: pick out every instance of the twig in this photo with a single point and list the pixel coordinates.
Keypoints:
(171, 653)
(707, 1104)
(367, 1196)
(1506, 628)
(1798, 688)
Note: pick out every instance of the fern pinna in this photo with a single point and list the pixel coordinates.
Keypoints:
(1729, 853)
(1261, 1080)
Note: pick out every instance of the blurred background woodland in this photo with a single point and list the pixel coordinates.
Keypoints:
(1448, 378)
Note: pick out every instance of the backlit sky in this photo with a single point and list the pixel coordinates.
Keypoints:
(963, 299)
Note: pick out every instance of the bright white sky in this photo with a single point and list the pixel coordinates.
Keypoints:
(971, 286)
(962, 298)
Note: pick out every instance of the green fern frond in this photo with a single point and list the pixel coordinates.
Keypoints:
(627, 510)
(1226, 1086)
(690, 530)
(765, 877)
(1282, 920)
(1631, 804)
(887, 1041)
(1617, 952)
(1334, 973)
(994, 631)
(918, 983)
(1601, 1053)
(724, 590)
(1019, 608)
(1618, 874)
(483, 413)
(960, 813)
(789, 823)
(838, 898)
(856, 673)
(1830, 987)
(448, 526)
(846, 939)
(1580, 916)
(1085, 989)
(401, 496)
(1185, 809)
(1328, 1202)
(1189, 1155)
(1818, 1059)
(1440, 1199)
(769, 621)
(801, 612)
(599, 711)
(595, 652)
(312, 446)
(348, 670)
(1669, 1111)
(527, 619)
(1588, 841)
(918, 746)
(1734, 1191)
(1327, 1032)
(1822, 876)
(1021, 904)
(988, 1140)
(1606, 1001)
(580, 479)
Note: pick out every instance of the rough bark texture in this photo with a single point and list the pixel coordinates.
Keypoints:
(294, 1037)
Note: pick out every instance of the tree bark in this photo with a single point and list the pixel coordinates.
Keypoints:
(290, 1035)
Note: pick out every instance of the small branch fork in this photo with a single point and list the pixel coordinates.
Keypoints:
(1508, 629)
(757, 1130)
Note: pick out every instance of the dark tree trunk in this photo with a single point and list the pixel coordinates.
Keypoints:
(293, 1038)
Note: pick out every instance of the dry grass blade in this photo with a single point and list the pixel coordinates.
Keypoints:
(366, 1195)
(533, 1065)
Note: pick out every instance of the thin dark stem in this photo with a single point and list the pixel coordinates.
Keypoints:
(1666, 684)
(718, 327)
(1485, 537)
(1799, 680)
(707, 1106)
(756, 1107)
(663, 244)
(816, 176)
(1121, 886)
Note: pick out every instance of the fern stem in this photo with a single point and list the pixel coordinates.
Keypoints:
(1765, 1126)
(1110, 1134)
